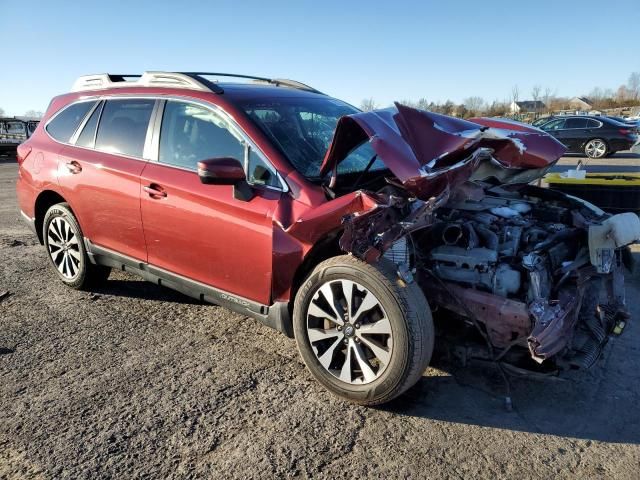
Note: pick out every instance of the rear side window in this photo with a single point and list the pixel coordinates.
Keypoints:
(123, 126)
(88, 135)
(593, 123)
(576, 123)
(65, 123)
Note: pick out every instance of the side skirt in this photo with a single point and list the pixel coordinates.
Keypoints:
(275, 316)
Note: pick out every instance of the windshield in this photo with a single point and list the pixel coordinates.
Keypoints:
(302, 128)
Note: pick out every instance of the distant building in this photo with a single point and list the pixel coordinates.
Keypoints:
(527, 106)
(580, 103)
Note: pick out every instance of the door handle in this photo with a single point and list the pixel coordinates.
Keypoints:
(154, 191)
(73, 166)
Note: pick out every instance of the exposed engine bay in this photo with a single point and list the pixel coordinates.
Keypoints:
(534, 271)
(530, 265)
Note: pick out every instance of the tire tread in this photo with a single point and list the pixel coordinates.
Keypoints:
(412, 304)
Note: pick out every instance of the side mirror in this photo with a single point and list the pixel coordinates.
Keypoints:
(226, 171)
(221, 171)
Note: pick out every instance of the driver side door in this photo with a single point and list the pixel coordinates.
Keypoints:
(556, 128)
(200, 231)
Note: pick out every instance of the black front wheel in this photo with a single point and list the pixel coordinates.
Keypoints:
(365, 334)
(64, 242)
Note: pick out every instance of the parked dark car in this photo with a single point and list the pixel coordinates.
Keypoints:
(341, 228)
(621, 120)
(596, 137)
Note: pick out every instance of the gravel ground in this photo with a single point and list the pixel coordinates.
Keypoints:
(137, 381)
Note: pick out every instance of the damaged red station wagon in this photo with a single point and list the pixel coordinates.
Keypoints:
(350, 231)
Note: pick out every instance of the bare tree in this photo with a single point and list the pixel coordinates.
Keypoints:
(447, 107)
(368, 104)
(633, 85)
(1, 112)
(535, 94)
(474, 105)
(462, 111)
(422, 104)
(33, 114)
(622, 94)
(515, 94)
(547, 97)
(596, 95)
(408, 103)
(497, 108)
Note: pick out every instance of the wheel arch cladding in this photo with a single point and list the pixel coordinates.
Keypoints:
(45, 200)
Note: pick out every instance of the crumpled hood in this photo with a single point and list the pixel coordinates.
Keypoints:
(429, 152)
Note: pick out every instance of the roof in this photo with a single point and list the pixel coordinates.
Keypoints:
(581, 99)
(253, 91)
(530, 104)
(200, 81)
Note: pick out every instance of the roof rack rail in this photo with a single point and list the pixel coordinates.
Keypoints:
(190, 80)
(147, 79)
(273, 81)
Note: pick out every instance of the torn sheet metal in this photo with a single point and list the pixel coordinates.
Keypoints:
(419, 146)
(504, 318)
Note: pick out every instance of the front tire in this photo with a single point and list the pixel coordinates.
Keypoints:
(596, 148)
(364, 334)
(64, 242)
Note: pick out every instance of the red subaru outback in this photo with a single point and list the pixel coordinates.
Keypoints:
(346, 230)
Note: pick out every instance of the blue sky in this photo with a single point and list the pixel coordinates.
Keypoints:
(388, 50)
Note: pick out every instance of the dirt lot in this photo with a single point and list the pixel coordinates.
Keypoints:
(137, 381)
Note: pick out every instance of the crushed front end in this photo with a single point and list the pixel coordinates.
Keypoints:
(539, 274)
(537, 269)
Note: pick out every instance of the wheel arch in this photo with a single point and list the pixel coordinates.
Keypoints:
(595, 137)
(44, 201)
(325, 248)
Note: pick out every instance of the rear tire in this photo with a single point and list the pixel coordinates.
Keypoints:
(64, 242)
(368, 349)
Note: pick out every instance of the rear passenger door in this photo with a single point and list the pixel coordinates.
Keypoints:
(99, 172)
(201, 231)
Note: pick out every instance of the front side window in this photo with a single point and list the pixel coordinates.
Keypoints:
(191, 133)
(260, 172)
(66, 122)
(554, 124)
(123, 126)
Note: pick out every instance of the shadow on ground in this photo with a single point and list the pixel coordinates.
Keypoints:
(577, 406)
(598, 404)
(141, 289)
(582, 404)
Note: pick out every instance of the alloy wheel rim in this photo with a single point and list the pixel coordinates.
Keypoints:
(596, 148)
(64, 248)
(349, 332)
